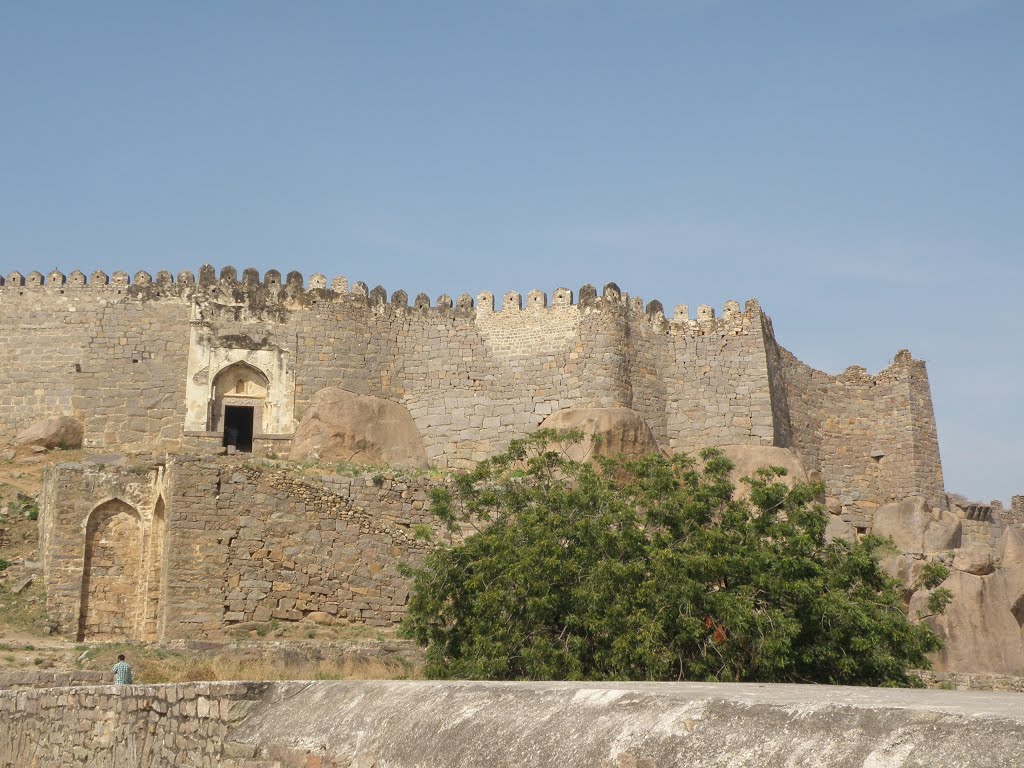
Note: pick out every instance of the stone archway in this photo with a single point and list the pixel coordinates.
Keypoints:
(112, 573)
(239, 408)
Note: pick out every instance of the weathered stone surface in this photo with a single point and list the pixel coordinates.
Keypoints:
(837, 528)
(276, 544)
(477, 725)
(975, 561)
(750, 458)
(55, 432)
(1011, 548)
(906, 569)
(978, 627)
(609, 432)
(344, 426)
(914, 527)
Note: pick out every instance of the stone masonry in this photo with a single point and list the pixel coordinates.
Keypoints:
(353, 724)
(155, 364)
(204, 545)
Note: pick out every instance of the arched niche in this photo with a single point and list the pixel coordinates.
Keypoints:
(156, 579)
(112, 573)
(239, 407)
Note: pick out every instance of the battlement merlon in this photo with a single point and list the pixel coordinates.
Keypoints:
(294, 292)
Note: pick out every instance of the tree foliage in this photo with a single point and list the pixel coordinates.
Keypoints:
(652, 569)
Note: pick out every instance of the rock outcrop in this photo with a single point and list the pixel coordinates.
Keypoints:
(750, 458)
(915, 528)
(981, 625)
(978, 628)
(343, 426)
(608, 432)
(55, 432)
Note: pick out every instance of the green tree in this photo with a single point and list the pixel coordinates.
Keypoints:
(652, 569)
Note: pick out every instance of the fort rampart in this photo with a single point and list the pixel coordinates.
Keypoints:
(140, 361)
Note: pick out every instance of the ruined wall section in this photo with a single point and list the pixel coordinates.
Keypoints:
(239, 542)
(872, 437)
(71, 494)
(250, 543)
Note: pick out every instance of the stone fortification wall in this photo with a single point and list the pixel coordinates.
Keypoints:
(51, 678)
(111, 356)
(196, 547)
(1015, 514)
(873, 437)
(138, 361)
(114, 353)
(330, 724)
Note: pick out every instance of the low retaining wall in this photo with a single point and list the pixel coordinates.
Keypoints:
(47, 678)
(330, 724)
(970, 681)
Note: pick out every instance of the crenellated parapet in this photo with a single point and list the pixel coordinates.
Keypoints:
(295, 292)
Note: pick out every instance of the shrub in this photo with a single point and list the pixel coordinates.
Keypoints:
(652, 569)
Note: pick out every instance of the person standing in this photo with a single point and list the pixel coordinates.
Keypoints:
(122, 672)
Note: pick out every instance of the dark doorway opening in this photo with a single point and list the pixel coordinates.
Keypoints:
(238, 427)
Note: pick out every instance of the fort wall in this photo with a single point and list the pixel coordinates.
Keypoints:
(138, 361)
(872, 437)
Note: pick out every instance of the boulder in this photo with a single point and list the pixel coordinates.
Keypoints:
(54, 432)
(750, 458)
(343, 426)
(980, 562)
(978, 628)
(837, 528)
(1011, 547)
(914, 527)
(608, 432)
(905, 569)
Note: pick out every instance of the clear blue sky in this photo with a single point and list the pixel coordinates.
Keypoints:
(857, 166)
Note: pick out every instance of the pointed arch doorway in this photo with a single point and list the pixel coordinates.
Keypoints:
(239, 408)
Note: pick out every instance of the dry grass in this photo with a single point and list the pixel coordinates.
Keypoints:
(157, 665)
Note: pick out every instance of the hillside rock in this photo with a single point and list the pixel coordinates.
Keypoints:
(977, 561)
(978, 628)
(750, 458)
(609, 432)
(1011, 548)
(905, 569)
(916, 528)
(837, 528)
(55, 432)
(343, 426)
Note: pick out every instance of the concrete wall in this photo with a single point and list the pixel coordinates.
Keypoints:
(417, 724)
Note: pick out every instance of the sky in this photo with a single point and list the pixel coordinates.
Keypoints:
(857, 166)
